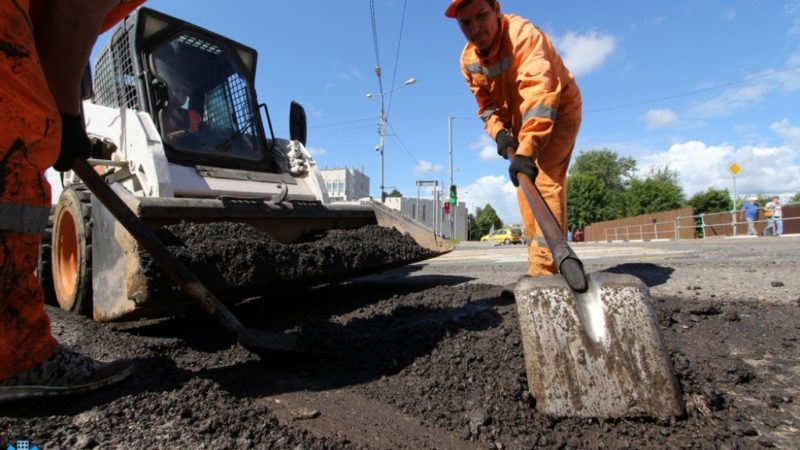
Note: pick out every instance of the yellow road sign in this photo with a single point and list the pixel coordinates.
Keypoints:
(734, 168)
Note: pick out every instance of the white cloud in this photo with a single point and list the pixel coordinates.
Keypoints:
(585, 53)
(732, 100)
(427, 166)
(317, 151)
(701, 166)
(486, 148)
(790, 134)
(793, 8)
(729, 15)
(496, 191)
(660, 118)
(751, 92)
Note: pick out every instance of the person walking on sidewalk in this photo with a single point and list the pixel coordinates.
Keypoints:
(750, 213)
(776, 219)
(529, 102)
(44, 48)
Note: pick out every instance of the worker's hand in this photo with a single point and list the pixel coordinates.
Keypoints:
(522, 164)
(504, 140)
(74, 142)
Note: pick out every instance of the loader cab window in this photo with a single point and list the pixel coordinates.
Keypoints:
(210, 116)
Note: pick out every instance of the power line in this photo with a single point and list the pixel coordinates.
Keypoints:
(397, 54)
(402, 144)
(375, 44)
(693, 92)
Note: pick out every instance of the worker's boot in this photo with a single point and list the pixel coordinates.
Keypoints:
(65, 372)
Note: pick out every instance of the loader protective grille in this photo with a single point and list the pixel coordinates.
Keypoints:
(115, 79)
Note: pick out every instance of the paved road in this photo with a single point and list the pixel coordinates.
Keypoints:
(744, 268)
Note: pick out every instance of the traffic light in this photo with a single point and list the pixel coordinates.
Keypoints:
(453, 194)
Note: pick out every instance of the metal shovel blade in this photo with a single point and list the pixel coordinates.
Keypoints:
(595, 354)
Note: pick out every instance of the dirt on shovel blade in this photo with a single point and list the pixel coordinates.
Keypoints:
(231, 257)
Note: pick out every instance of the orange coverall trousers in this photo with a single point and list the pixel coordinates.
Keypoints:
(553, 161)
(30, 130)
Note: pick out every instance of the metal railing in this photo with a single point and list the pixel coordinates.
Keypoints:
(731, 223)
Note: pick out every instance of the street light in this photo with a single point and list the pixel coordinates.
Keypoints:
(382, 124)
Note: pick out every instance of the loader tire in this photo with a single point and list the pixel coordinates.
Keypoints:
(72, 250)
(44, 267)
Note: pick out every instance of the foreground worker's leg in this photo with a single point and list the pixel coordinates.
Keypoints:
(553, 162)
(31, 363)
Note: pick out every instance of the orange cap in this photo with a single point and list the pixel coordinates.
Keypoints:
(451, 10)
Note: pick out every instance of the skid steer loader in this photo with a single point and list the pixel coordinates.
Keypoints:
(224, 167)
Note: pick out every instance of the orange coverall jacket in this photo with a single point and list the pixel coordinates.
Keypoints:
(30, 137)
(522, 85)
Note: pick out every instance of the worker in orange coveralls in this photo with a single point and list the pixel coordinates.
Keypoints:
(528, 101)
(44, 48)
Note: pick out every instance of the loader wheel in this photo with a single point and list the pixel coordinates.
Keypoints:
(506, 241)
(44, 269)
(72, 250)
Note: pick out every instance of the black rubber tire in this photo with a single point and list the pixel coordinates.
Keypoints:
(44, 268)
(72, 250)
(506, 241)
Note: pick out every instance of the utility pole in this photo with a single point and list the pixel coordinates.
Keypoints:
(453, 208)
(382, 124)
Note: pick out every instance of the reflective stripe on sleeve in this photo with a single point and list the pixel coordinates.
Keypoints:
(26, 219)
(493, 70)
(540, 111)
(488, 113)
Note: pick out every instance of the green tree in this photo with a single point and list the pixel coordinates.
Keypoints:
(653, 195)
(613, 171)
(485, 219)
(588, 201)
(472, 228)
(394, 193)
(711, 201)
(795, 198)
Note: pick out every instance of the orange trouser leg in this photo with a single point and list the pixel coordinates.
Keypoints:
(30, 132)
(553, 162)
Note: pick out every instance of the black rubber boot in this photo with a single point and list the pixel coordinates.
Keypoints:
(65, 372)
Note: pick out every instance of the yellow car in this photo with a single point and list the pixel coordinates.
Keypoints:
(505, 236)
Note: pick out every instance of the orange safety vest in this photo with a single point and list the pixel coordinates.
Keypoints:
(521, 84)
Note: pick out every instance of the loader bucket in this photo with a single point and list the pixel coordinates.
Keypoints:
(597, 354)
(124, 285)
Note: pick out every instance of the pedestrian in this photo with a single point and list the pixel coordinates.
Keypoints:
(529, 102)
(569, 236)
(750, 213)
(44, 48)
(775, 216)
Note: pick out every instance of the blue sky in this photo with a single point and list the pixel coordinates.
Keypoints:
(693, 84)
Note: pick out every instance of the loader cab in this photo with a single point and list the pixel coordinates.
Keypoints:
(197, 86)
(203, 100)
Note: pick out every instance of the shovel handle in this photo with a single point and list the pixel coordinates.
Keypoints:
(187, 281)
(566, 260)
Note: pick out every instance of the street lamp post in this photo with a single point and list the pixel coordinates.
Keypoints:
(382, 124)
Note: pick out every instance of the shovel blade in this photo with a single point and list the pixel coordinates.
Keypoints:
(597, 354)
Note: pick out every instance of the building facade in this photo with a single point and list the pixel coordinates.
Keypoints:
(431, 213)
(345, 184)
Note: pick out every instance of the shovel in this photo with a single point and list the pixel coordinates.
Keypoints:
(257, 341)
(591, 342)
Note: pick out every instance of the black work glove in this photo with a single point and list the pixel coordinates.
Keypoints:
(524, 165)
(504, 140)
(74, 142)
